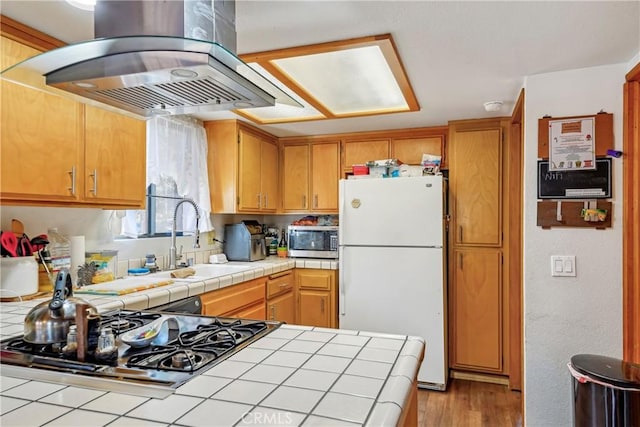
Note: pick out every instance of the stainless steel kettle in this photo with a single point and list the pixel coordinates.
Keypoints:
(49, 321)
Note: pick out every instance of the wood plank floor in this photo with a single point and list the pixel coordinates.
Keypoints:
(470, 403)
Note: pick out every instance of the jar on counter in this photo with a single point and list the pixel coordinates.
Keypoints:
(106, 351)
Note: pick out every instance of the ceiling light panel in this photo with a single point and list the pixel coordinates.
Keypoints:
(348, 81)
(280, 113)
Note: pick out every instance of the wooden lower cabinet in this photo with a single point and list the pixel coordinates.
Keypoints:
(281, 302)
(246, 300)
(316, 292)
(476, 329)
(409, 415)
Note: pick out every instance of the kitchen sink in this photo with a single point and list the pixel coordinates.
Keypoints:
(205, 271)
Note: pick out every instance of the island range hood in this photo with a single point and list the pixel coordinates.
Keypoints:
(155, 57)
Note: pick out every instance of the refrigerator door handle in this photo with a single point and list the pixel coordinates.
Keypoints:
(341, 284)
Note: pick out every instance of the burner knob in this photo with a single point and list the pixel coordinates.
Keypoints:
(179, 361)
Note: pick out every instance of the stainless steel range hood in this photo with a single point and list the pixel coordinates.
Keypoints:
(155, 57)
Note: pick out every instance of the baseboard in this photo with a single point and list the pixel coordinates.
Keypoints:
(475, 376)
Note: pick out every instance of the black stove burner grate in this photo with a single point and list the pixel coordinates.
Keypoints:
(201, 343)
(121, 322)
(193, 350)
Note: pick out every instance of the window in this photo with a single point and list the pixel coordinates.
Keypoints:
(176, 169)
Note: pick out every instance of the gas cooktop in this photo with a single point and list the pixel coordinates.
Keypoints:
(193, 344)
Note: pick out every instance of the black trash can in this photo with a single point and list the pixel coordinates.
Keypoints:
(606, 391)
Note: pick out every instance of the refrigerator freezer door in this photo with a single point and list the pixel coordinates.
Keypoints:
(392, 212)
(403, 294)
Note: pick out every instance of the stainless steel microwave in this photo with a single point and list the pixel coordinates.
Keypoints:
(313, 241)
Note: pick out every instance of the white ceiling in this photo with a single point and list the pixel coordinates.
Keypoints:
(457, 55)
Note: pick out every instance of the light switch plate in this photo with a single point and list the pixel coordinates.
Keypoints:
(563, 265)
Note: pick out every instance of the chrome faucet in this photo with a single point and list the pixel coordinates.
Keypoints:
(172, 249)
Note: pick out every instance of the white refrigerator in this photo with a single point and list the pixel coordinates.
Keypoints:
(391, 264)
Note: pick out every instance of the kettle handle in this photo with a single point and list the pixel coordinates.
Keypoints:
(61, 289)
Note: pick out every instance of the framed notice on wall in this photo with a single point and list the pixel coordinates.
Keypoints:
(572, 144)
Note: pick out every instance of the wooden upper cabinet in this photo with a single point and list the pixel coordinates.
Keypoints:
(249, 176)
(410, 150)
(295, 177)
(40, 153)
(475, 158)
(55, 150)
(360, 152)
(269, 176)
(115, 158)
(257, 173)
(325, 159)
(310, 177)
(243, 168)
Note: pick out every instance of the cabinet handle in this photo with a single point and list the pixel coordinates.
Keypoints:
(460, 233)
(304, 201)
(281, 274)
(259, 200)
(322, 305)
(72, 174)
(94, 190)
(315, 201)
(273, 312)
(266, 201)
(461, 261)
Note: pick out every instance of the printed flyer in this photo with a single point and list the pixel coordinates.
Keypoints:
(572, 144)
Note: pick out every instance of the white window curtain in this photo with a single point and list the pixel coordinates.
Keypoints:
(177, 165)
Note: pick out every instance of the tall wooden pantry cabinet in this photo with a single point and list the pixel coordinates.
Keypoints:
(478, 309)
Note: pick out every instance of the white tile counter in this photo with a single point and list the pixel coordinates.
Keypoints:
(12, 314)
(296, 375)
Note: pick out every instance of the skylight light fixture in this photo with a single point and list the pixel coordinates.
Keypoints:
(349, 78)
(83, 4)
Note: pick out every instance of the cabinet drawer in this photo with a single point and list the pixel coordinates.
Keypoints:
(316, 279)
(279, 283)
(235, 298)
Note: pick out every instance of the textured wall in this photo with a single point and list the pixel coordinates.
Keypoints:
(569, 315)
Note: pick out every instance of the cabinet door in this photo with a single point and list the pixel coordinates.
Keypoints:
(295, 178)
(410, 150)
(360, 152)
(324, 179)
(41, 150)
(282, 308)
(41, 139)
(115, 158)
(269, 177)
(477, 309)
(313, 308)
(476, 183)
(249, 172)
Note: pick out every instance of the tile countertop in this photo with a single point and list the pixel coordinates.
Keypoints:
(12, 313)
(296, 375)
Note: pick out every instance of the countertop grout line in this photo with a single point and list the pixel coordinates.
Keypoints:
(326, 392)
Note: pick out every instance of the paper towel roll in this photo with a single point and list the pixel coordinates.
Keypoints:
(77, 256)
